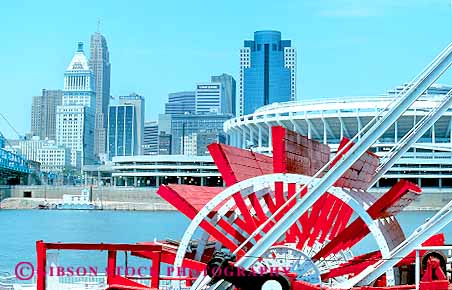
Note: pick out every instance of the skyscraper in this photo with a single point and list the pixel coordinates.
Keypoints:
(208, 98)
(151, 138)
(267, 71)
(164, 131)
(36, 113)
(185, 125)
(181, 103)
(195, 144)
(100, 64)
(122, 131)
(138, 102)
(228, 101)
(75, 117)
(43, 114)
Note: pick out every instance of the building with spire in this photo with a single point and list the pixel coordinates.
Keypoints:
(100, 64)
(75, 117)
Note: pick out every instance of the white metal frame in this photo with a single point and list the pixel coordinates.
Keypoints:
(263, 184)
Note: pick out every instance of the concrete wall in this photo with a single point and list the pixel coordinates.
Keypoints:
(432, 198)
(119, 194)
(5, 191)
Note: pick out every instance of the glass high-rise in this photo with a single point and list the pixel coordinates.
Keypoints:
(229, 92)
(138, 102)
(180, 103)
(185, 125)
(100, 64)
(122, 131)
(267, 71)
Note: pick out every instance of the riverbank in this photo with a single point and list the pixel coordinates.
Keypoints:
(15, 203)
(147, 199)
(109, 198)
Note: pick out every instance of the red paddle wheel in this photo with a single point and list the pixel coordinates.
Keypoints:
(315, 253)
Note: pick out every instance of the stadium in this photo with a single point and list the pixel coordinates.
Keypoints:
(428, 163)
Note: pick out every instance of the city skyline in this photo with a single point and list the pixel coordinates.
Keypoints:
(355, 31)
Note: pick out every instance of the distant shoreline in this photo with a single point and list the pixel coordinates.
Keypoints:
(18, 203)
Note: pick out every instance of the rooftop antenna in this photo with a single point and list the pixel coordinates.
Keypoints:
(99, 22)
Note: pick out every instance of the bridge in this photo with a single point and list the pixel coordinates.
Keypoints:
(13, 167)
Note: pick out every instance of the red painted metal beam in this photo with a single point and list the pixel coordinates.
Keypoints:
(359, 263)
(111, 266)
(295, 153)
(248, 224)
(155, 270)
(384, 206)
(261, 216)
(436, 240)
(329, 215)
(122, 287)
(119, 282)
(361, 172)
(41, 262)
(102, 247)
(190, 204)
(308, 220)
(357, 230)
(168, 258)
(354, 266)
(188, 199)
(237, 164)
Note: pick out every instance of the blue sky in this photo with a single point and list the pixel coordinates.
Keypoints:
(345, 47)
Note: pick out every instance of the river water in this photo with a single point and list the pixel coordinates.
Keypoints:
(20, 229)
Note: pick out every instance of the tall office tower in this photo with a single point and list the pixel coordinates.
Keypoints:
(185, 125)
(195, 144)
(151, 138)
(75, 117)
(100, 64)
(138, 102)
(122, 131)
(43, 114)
(208, 98)
(181, 103)
(228, 101)
(165, 141)
(36, 113)
(267, 71)
(2, 141)
(164, 131)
